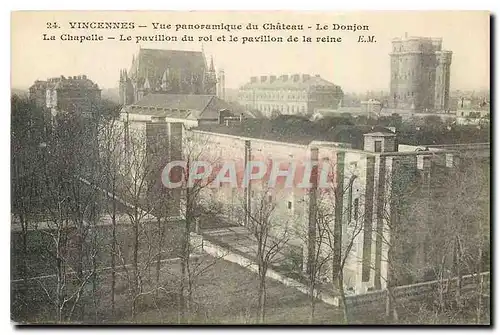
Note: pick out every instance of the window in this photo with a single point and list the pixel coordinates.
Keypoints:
(270, 198)
(289, 205)
(378, 146)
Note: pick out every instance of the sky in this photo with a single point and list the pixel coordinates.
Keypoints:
(356, 67)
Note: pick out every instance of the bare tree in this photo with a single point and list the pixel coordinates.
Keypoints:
(197, 204)
(336, 231)
(463, 214)
(70, 211)
(134, 188)
(271, 235)
(28, 140)
(111, 151)
(435, 219)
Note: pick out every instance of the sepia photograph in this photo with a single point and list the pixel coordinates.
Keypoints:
(250, 168)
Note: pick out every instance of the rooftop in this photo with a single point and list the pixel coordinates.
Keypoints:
(154, 63)
(295, 130)
(62, 82)
(295, 81)
(184, 106)
(380, 134)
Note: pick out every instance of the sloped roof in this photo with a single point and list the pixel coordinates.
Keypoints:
(185, 106)
(153, 63)
(281, 83)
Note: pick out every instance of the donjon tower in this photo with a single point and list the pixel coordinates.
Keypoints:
(420, 74)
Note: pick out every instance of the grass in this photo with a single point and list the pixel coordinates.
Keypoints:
(225, 293)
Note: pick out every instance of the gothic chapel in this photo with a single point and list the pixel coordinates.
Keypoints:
(167, 71)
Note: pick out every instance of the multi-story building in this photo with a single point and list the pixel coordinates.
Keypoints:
(294, 95)
(73, 94)
(420, 74)
(169, 72)
(371, 108)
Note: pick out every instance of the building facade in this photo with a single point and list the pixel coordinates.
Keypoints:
(293, 95)
(371, 108)
(167, 71)
(420, 74)
(373, 179)
(77, 94)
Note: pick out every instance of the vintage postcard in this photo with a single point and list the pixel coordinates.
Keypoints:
(273, 167)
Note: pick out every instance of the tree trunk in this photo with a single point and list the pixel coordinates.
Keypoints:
(337, 237)
(189, 300)
(94, 289)
(458, 290)
(184, 265)
(312, 301)
(441, 286)
(60, 280)
(113, 255)
(391, 312)
(342, 300)
(262, 298)
(479, 308)
(182, 302)
(80, 264)
(24, 269)
(135, 287)
(158, 260)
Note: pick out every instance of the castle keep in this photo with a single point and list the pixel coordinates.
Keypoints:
(420, 74)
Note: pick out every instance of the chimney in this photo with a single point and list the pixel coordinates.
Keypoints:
(380, 142)
(284, 77)
(263, 79)
(272, 79)
(84, 77)
(305, 77)
(253, 79)
(223, 113)
(317, 75)
(296, 77)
